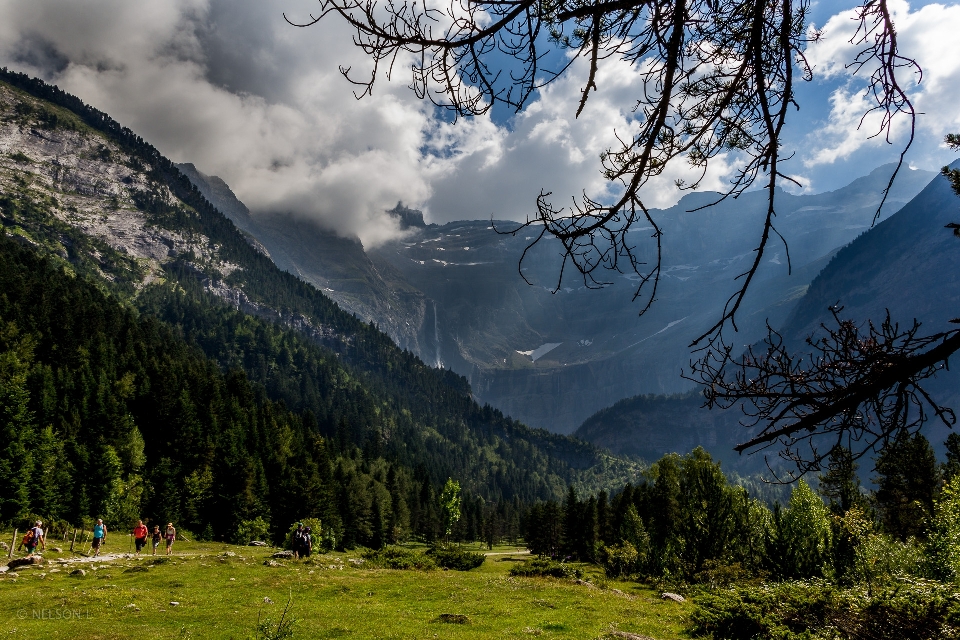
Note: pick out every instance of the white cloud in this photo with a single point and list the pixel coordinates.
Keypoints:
(925, 34)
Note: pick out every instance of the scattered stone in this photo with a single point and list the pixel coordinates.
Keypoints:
(78, 572)
(356, 561)
(13, 574)
(283, 555)
(56, 549)
(233, 579)
(132, 607)
(626, 636)
(453, 618)
(257, 543)
(54, 571)
(267, 600)
(271, 563)
(174, 604)
(666, 595)
(4, 546)
(25, 562)
(228, 554)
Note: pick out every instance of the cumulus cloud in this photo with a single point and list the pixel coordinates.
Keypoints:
(232, 87)
(925, 34)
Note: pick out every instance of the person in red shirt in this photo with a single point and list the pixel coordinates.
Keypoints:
(140, 535)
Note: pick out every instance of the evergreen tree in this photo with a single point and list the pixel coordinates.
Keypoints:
(840, 485)
(907, 481)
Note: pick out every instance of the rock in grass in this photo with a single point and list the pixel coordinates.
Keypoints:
(623, 635)
(78, 572)
(257, 543)
(56, 550)
(666, 595)
(174, 604)
(271, 563)
(4, 546)
(25, 562)
(283, 555)
(453, 618)
(267, 600)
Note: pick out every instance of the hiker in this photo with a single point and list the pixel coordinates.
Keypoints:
(296, 540)
(171, 535)
(156, 538)
(140, 536)
(32, 538)
(99, 536)
(306, 543)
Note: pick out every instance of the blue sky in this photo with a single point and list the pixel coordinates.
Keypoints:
(230, 86)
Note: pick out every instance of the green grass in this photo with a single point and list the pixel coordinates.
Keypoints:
(221, 597)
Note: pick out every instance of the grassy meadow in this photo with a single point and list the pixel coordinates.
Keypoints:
(333, 596)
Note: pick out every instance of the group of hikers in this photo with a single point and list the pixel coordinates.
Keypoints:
(301, 541)
(34, 537)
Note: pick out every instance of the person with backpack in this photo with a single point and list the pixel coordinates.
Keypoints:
(170, 535)
(99, 536)
(296, 540)
(140, 536)
(34, 538)
(306, 543)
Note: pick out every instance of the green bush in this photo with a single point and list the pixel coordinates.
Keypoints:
(398, 558)
(619, 560)
(901, 609)
(456, 558)
(247, 530)
(543, 568)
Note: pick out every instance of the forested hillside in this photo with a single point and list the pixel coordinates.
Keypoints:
(158, 364)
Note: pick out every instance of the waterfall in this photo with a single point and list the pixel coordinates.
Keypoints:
(436, 335)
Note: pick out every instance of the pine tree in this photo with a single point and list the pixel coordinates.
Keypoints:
(907, 482)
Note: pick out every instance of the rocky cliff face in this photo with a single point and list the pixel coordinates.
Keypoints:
(70, 189)
(337, 266)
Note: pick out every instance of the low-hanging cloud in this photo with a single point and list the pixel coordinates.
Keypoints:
(232, 87)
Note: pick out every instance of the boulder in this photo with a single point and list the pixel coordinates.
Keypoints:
(257, 543)
(56, 549)
(283, 555)
(25, 562)
(666, 595)
(78, 572)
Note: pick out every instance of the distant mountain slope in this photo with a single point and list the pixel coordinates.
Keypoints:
(553, 359)
(908, 264)
(77, 186)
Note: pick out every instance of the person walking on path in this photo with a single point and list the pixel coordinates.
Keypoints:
(171, 535)
(156, 538)
(34, 538)
(99, 536)
(140, 536)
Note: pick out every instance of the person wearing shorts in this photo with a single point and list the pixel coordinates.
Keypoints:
(156, 538)
(99, 536)
(140, 536)
(36, 539)
(170, 536)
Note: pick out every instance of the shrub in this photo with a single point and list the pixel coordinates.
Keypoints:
(247, 530)
(901, 609)
(391, 557)
(544, 567)
(619, 560)
(456, 558)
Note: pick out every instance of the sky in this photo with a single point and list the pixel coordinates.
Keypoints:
(232, 87)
